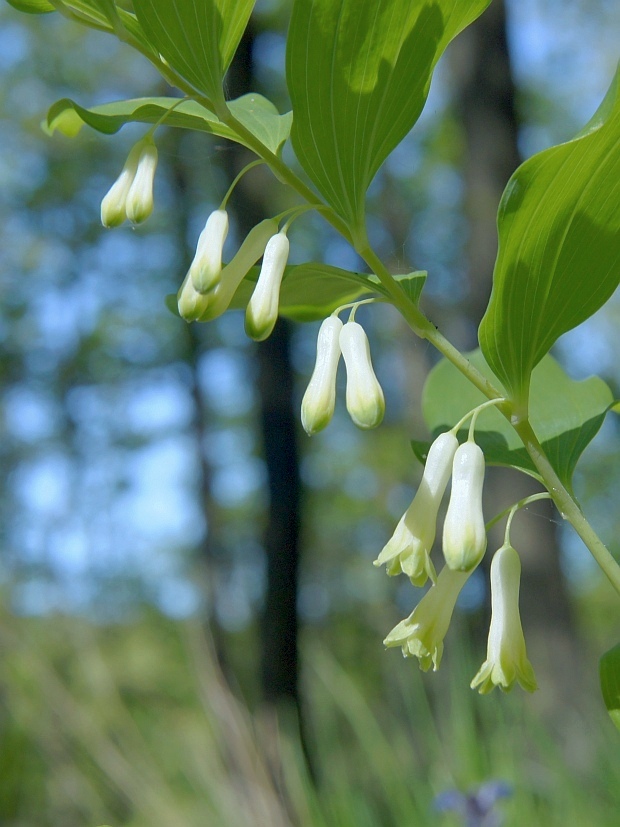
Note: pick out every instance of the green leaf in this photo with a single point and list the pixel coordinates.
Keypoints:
(99, 12)
(32, 6)
(256, 113)
(312, 291)
(609, 671)
(565, 414)
(412, 284)
(358, 75)
(197, 38)
(559, 248)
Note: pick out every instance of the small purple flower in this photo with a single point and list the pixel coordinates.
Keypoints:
(477, 807)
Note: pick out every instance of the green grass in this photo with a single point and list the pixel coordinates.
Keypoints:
(135, 726)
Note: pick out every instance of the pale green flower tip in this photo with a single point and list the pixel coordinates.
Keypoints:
(259, 329)
(113, 212)
(492, 674)
(112, 215)
(191, 304)
(204, 278)
(369, 415)
(466, 559)
(314, 421)
(426, 657)
(421, 572)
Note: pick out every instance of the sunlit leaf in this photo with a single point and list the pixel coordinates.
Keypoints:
(256, 113)
(358, 75)
(565, 414)
(610, 682)
(32, 6)
(197, 38)
(559, 247)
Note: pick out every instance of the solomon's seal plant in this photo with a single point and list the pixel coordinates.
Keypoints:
(358, 75)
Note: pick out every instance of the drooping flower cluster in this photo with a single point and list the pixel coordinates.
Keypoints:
(209, 286)
(364, 396)
(207, 291)
(131, 195)
(464, 542)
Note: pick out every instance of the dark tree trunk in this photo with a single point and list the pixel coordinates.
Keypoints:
(279, 655)
(486, 99)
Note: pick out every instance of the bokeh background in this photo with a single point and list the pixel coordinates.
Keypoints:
(190, 622)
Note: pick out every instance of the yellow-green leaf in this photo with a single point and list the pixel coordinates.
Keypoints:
(559, 247)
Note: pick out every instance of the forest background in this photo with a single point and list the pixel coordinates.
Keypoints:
(165, 522)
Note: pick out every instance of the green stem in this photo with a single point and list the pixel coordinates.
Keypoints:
(567, 506)
(283, 172)
(512, 509)
(427, 330)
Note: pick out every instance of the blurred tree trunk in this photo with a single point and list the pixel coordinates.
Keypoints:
(486, 102)
(195, 342)
(279, 651)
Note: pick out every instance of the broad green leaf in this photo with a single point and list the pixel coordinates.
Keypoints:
(559, 247)
(32, 6)
(197, 38)
(358, 75)
(256, 113)
(609, 670)
(312, 291)
(565, 414)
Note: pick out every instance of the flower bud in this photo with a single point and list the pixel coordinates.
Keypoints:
(113, 206)
(139, 204)
(409, 548)
(237, 269)
(464, 534)
(317, 407)
(365, 402)
(192, 305)
(206, 267)
(262, 309)
(507, 660)
(422, 633)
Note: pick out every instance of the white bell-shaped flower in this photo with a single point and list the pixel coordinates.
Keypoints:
(206, 267)
(464, 534)
(364, 397)
(422, 633)
(409, 548)
(139, 204)
(114, 203)
(317, 407)
(262, 310)
(507, 660)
